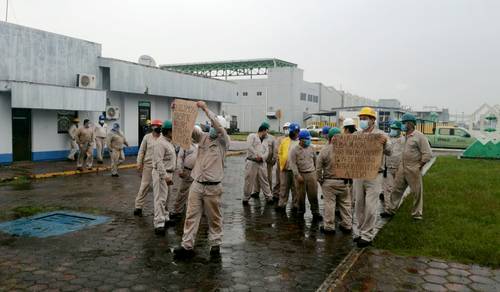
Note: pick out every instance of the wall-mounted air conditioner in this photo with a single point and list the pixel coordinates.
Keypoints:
(112, 112)
(85, 81)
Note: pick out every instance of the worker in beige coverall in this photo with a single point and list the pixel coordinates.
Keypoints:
(100, 133)
(72, 135)
(206, 191)
(392, 161)
(334, 190)
(85, 138)
(416, 153)
(116, 142)
(255, 167)
(367, 191)
(270, 162)
(164, 159)
(302, 159)
(145, 164)
(186, 160)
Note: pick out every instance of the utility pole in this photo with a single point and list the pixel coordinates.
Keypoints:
(6, 10)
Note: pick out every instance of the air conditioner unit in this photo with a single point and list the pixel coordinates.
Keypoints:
(85, 81)
(112, 112)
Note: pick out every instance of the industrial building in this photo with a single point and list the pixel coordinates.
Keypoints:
(274, 90)
(47, 79)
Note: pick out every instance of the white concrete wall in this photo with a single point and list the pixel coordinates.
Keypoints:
(6, 129)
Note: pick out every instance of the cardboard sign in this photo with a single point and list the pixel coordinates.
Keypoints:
(184, 117)
(357, 156)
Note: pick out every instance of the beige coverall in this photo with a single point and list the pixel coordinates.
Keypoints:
(270, 161)
(186, 159)
(255, 170)
(100, 133)
(145, 160)
(416, 153)
(334, 192)
(115, 141)
(366, 193)
(85, 139)
(73, 145)
(206, 191)
(303, 162)
(287, 183)
(164, 160)
(392, 163)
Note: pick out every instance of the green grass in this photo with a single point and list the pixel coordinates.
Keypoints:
(238, 137)
(461, 215)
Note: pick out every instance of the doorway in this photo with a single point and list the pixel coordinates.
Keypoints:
(21, 134)
(144, 116)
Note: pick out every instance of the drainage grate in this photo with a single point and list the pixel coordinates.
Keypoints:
(51, 224)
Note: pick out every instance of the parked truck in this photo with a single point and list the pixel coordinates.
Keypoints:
(450, 137)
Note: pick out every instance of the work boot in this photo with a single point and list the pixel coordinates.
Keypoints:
(138, 212)
(182, 253)
(79, 168)
(175, 217)
(317, 217)
(386, 215)
(100, 162)
(326, 231)
(270, 201)
(115, 175)
(276, 199)
(381, 197)
(345, 230)
(215, 251)
(356, 239)
(363, 243)
(160, 231)
(245, 203)
(255, 195)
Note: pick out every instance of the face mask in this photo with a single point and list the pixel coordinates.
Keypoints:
(307, 143)
(286, 132)
(363, 124)
(213, 133)
(157, 130)
(404, 128)
(394, 133)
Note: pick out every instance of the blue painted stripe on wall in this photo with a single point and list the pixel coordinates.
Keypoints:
(62, 154)
(5, 158)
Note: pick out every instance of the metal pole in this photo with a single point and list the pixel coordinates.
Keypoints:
(6, 10)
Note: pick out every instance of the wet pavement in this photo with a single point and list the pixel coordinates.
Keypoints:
(378, 270)
(261, 250)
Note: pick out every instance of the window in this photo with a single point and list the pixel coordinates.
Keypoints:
(237, 93)
(445, 131)
(64, 119)
(460, 133)
(303, 96)
(315, 98)
(259, 93)
(245, 93)
(309, 97)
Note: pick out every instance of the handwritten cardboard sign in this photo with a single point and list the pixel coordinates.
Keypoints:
(357, 156)
(184, 116)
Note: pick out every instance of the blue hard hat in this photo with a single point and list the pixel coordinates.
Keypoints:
(293, 127)
(325, 130)
(102, 118)
(116, 126)
(304, 134)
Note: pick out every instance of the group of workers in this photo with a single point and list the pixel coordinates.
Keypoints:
(299, 171)
(201, 171)
(84, 139)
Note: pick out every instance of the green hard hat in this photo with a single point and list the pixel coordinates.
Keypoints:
(407, 117)
(265, 125)
(396, 125)
(333, 131)
(167, 124)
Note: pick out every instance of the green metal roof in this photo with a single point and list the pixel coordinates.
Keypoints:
(229, 68)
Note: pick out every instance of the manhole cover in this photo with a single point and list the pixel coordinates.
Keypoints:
(51, 224)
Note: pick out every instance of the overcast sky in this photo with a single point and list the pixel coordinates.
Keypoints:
(444, 53)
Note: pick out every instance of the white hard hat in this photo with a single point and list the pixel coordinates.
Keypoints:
(222, 121)
(348, 122)
(286, 125)
(197, 127)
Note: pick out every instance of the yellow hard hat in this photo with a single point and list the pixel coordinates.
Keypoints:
(367, 111)
(76, 120)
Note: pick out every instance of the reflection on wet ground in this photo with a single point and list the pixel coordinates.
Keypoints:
(262, 250)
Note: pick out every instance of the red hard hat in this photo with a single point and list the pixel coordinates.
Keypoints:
(156, 123)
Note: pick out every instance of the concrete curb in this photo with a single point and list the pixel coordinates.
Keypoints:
(336, 277)
(93, 170)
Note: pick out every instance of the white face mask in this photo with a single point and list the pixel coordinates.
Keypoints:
(363, 124)
(286, 132)
(394, 133)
